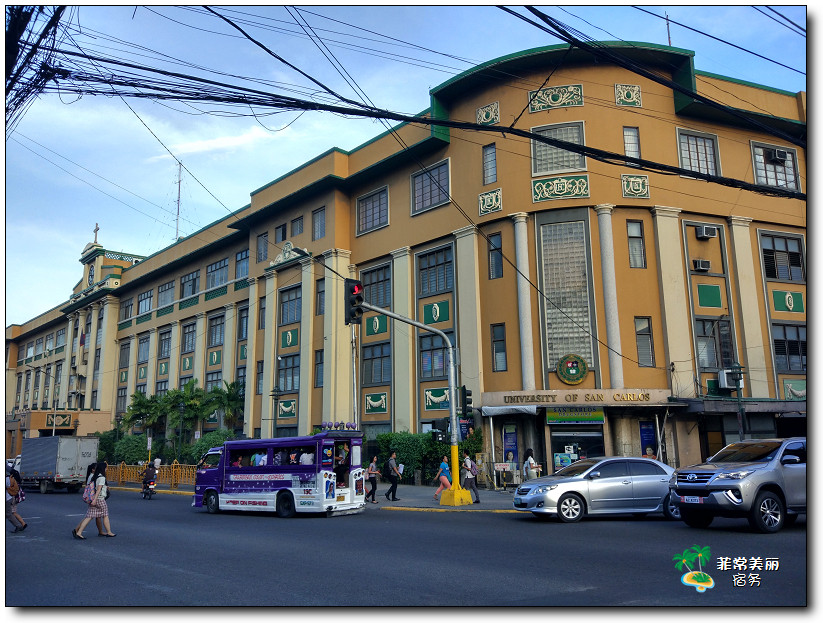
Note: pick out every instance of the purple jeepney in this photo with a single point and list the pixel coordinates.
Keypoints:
(322, 473)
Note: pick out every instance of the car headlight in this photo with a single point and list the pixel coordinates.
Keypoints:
(544, 489)
(735, 475)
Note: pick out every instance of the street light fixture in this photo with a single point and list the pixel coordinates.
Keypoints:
(736, 375)
(275, 394)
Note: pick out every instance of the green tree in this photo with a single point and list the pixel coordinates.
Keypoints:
(132, 449)
(230, 401)
(209, 440)
(139, 410)
(105, 448)
(196, 404)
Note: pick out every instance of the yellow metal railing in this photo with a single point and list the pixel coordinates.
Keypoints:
(174, 475)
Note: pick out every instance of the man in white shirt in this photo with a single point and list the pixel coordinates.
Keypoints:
(470, 482)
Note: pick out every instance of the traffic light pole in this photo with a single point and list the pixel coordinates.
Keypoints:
(456, 496)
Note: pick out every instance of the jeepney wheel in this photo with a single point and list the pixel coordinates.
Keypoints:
(285, 505)
(44, 486)
(211, 503)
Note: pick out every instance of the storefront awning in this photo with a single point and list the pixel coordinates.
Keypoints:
(494, 411)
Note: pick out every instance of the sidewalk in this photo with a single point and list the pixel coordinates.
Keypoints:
(411, 498)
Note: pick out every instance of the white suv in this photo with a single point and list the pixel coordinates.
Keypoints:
(763, 480)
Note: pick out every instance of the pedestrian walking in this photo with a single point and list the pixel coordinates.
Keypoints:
(444, 476)
(12, 489)
(16, 499)
(97, 506)
(470, 482)
(394, 478)
(90, 478)
(530, 466)
(372, 473)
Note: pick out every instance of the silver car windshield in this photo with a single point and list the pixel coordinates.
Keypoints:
(747, 452)
(575, 469)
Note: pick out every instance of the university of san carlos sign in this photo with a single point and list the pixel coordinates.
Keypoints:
(552, 398)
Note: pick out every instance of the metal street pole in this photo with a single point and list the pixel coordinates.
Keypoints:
(737, 375)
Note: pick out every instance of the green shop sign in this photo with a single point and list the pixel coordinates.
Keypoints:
(436, 312)
(575, 415)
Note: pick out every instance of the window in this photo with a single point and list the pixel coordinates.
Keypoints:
(430, 187)
(143, 349)
(144, 302)
(288, 373)
(60, 338)
(377, 364)
(96, 364)
(631, 143)
(643, 337)
(217, 274)
(318, 224)
(433, 357)
(213, 379)
(38, 346)
(165, 294)
(140, 389)
(637, 248)
(280, 233)
(489, 164)
(261, 310)
(125, 349)
(189, 284)
(782, 258)
(789, 347)
(161, 388)
(290, 305)
(242, 323)
(241, 379)
(216, 330)
(318, 368)
(94, 403)
(259, 380)
(373, 211)
(189, 338)
(297, 226)
(549, 159)
(183, 380)
(58, 373)
(644, 468)
(121, 400)
(435, 272)
(698, 152)
(126, 307)
(714, 344)
(164, 344)
(320, 297)
(50, 341)
(46, 380)
(263, 247)
(499, 363)
(29, 350)
(495, 256)
(615, 469)
(775, 166)
(241, 264)
(377, 286)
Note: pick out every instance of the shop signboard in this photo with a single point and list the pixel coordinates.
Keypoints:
(575, 415)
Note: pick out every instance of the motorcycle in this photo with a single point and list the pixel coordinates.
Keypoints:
(148, 489)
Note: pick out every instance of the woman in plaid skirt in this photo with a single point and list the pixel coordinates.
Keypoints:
(98, 507)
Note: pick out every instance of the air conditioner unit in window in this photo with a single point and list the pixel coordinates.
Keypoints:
(703, 266)
(776, 156)
(704, 232)
(725, 380)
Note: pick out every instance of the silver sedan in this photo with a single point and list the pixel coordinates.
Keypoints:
(600, 486)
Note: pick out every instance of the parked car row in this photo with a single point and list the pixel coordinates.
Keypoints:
(762, 480)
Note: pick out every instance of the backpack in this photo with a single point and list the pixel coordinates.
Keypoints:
(88, 493)
(13, 489)
(387, 470)
(473, 467)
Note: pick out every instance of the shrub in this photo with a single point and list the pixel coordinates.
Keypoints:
(192, 453)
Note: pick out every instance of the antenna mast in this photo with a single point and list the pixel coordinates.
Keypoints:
(177, 222)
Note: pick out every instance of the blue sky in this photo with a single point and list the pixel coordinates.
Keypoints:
(74, 162)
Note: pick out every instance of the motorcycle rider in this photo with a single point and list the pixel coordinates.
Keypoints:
(149, 474)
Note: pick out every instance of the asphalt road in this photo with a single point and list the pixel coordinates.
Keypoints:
(167, 553)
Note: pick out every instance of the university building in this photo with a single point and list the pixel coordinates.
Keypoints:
(596, 306)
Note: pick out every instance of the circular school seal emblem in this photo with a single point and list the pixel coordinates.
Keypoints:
(572, 369)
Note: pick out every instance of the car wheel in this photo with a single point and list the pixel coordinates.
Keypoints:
(696, 519)
(211, 503)
(767, 514)
(570, 508)
(285, 505)
(670, 511)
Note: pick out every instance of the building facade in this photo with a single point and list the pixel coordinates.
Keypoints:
(596, 307)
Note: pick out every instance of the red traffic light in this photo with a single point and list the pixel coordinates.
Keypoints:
(353, 301)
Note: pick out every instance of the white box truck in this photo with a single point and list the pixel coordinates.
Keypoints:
(57, 462)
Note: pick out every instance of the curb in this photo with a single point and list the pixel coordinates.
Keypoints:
(156, 491)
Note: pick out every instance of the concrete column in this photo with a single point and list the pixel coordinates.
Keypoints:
(337, 369)
(604, 225)
(403, 363)
(304, 398)
(746, 284)
(64, 382)
(199, 366)
(107, 381)
(251, 360)
(269, 355)
(676, 319)
(524, 307)
(91, 347)
(467, 270)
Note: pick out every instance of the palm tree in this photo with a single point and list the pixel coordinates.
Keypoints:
(139, 411)
(702, 554)
(230, 400)
(196, 407)
(685, 558)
